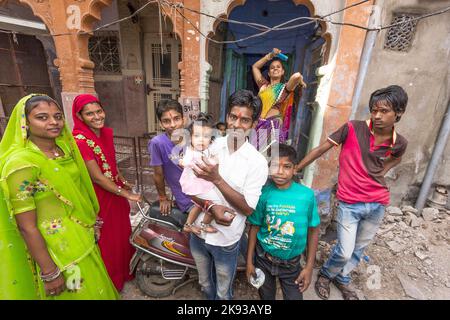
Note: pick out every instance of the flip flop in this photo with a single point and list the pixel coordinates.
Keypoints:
(322, 283)
(347, 292)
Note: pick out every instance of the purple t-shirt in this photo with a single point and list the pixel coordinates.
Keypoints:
(163, 152)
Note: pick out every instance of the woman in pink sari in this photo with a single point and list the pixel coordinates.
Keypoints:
(96, 145)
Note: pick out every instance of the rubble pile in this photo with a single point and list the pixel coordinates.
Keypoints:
(414, 244)
(411, 251)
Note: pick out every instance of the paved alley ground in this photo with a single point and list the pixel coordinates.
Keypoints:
(408, 259)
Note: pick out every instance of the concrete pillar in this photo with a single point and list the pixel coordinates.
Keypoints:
(190, 64)
(337, 112)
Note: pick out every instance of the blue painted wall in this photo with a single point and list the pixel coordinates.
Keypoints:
(294, 42)
(276, 12)
(271, 13)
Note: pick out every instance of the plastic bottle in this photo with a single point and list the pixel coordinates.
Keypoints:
(258, 281)
(282, 57)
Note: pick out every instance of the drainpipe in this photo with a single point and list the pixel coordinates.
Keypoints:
(435, 159)
(447, 206)
(369, 43)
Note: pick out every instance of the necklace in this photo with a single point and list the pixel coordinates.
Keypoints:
(54, 152)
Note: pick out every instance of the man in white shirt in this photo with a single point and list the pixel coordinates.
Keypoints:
(239, 175)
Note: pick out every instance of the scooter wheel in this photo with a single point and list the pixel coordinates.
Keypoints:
(154, 285)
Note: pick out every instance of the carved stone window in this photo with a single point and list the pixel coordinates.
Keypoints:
(399, 37)
(104, 52)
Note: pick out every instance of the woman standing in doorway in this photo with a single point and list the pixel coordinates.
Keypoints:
(48, 210)
(277, 98)
(96, 145)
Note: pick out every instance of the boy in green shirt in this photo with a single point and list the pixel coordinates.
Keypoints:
(283, 223)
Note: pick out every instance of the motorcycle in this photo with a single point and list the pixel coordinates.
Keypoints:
(163, 262)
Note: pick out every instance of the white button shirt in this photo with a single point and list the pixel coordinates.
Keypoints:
(246, 171)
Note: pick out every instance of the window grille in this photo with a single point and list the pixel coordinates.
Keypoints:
(104, 52)
(399, 37)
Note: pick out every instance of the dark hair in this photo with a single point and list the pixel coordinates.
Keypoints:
(34, 101)
(282, 65)
(166, 105)
(245, 98)
(393, 95)
(93, 102)
(203, 120)
(220, 124)
(287, 151)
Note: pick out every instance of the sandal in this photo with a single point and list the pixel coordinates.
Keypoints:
(322, 283)
(347, 292)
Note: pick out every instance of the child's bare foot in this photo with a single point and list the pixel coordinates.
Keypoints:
(197, 230)
(206, 227)
(188, 227)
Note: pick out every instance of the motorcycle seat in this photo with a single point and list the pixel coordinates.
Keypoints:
(176, 217)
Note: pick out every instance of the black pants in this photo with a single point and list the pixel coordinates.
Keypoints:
(287, 272)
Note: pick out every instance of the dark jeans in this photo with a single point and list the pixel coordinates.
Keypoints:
(287, 272)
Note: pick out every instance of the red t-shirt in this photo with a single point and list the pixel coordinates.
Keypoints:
(361, 162)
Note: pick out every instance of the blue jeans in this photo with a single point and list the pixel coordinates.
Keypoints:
(216, 267)
(357, 225)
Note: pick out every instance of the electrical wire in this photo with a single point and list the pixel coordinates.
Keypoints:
(311, 20)
(181, 5)
(264, 29)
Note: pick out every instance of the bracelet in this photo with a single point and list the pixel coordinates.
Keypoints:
(206, 204)
(51, 276)
(162, 198)
(209, 208)
(119, 190)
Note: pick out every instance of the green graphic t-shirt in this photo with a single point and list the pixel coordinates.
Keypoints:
(284, 216)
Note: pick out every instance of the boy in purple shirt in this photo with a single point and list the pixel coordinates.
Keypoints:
(165, 154)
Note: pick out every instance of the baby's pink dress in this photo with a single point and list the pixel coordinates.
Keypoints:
(190, 184)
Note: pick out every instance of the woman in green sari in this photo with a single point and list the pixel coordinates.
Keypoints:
(48, 210)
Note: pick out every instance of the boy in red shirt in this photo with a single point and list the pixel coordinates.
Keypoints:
(369, 150)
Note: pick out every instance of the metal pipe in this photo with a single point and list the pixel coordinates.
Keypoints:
(439, 147)
(369, 43)
(447, 206)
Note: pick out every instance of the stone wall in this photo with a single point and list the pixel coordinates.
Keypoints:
(423, 72)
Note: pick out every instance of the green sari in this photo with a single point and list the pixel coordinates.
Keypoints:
(60, 191)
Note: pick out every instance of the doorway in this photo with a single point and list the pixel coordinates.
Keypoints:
(301, 44)
(162, 74)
